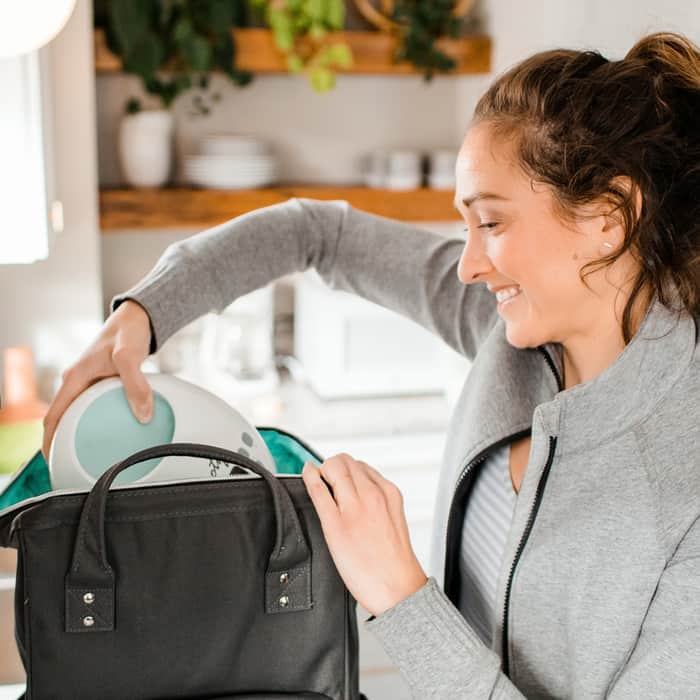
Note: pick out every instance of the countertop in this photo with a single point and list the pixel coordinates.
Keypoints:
(283, 401)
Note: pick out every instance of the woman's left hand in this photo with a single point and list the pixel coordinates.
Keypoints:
(366, 531)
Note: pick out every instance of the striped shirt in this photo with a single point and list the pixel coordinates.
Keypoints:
(486, 523)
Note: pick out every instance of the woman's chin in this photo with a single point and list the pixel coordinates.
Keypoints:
(519, 336)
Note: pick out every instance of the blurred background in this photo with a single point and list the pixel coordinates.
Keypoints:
(100, 175)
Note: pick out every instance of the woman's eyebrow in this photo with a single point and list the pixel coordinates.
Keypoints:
(479, 195)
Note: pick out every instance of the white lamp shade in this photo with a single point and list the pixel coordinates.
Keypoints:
(26, 25)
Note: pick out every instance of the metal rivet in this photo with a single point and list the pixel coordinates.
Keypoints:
(88, 621)
(89, 598)
(284, 577)
(284, 601)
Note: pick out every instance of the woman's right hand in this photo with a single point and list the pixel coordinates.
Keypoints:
(119, 349)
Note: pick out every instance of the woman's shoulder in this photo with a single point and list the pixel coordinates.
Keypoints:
(669, 443)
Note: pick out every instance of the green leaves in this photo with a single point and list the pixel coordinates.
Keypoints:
(280, 22)
(196, 53)
(425, 21)
(340, 55)
(335, 14)
(322, 79)
(190, 38)
(293, 21)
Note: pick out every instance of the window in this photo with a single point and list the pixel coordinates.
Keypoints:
(24, 215)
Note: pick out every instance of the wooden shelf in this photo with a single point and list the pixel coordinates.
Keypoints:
(199, 208)
(372, 53)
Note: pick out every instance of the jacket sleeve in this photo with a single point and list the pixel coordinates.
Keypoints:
(665, 661)
(437, 651)
(400, 266)
(442, 657)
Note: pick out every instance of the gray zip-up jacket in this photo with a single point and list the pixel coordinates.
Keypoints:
(599, 590)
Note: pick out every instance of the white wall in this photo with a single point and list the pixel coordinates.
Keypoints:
(612, 27)
(56, 305)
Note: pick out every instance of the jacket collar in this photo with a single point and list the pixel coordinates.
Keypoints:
(627, 390)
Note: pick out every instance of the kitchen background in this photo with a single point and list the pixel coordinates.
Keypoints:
(57, 305)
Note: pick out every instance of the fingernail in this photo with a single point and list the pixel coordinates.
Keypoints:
(144, 413)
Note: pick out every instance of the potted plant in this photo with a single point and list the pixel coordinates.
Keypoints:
(418, 24)
(299, 28)
(173, 46)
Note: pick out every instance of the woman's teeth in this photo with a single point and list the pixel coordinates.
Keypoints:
(503, 294)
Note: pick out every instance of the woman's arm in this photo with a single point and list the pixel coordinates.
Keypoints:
(397, 265)
(437, 652)
(441, 656)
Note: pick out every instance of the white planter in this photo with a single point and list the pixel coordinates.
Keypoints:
(146, 147)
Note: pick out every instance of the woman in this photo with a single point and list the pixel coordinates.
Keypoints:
(574, 572)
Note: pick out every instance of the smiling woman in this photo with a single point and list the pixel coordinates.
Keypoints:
(561, 183)
(566, 545)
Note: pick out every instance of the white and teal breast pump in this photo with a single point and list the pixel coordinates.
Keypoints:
(98, 430)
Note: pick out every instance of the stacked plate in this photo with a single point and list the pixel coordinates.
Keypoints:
(231, 162)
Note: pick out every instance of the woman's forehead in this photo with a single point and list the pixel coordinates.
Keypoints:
(482, 149)
(486, 165)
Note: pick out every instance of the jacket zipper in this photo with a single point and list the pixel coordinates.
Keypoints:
(552, 366)
(461, 487)
(530, 521)
(521, 546)
(451, 558)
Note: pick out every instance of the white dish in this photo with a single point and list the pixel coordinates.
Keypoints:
(98, 430)
(231, 145)
(441, 181)
(403, 182)
(233, 172)
(231, 181)
(228, 161)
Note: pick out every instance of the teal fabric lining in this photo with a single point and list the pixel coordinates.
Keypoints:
(33, 478)
(288, 454)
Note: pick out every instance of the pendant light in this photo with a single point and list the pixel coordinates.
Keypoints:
(26, 25)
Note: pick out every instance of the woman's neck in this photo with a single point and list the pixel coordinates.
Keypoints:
(586, 356)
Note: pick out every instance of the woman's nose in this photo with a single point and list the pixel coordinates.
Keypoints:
(473, 263)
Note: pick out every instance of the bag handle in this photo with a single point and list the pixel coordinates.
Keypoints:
(90, 584)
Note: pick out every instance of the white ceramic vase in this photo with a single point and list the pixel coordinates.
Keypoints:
(146, 147)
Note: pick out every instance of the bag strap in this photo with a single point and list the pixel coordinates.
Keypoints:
(90, 582)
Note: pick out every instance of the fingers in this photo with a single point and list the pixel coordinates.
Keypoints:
(355, 485)
(393, 496)
(321, 497)
(336, 471)
(119, 349)
(136, 387)
(75, 380)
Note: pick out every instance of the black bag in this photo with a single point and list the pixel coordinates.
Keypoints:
(207, 589)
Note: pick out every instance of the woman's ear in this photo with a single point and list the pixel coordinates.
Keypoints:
(614, 229)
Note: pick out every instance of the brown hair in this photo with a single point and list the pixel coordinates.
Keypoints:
(579, 121)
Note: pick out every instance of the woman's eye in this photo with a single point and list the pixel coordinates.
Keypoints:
(488, 226)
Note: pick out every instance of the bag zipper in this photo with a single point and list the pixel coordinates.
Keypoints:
(451, 559)
(154, 484)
